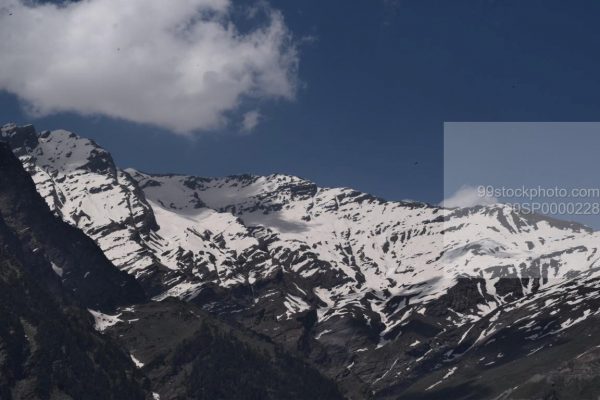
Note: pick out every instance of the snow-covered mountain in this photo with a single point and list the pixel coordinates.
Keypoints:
(72, 326)
(387, 298)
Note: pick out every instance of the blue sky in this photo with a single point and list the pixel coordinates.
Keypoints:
(377, 80)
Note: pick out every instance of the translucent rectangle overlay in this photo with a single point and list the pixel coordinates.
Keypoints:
(522, 201)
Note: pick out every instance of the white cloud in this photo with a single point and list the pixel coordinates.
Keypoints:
(182, 65)
(468, 196)
(250, 120)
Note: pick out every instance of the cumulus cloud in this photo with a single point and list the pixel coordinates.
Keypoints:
(467, 196)
(182, 65)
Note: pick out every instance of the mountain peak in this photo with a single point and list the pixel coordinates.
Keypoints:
(20, 138)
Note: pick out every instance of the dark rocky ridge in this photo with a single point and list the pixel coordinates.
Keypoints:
(48, 346)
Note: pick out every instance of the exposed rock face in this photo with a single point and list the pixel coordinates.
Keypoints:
(188, 354)
(386, 298)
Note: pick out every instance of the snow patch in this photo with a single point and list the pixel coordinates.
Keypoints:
(137, 362)
(104, 321)
(57, 270)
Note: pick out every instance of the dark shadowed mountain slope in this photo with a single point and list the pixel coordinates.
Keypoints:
(48, 346)
(189, 354)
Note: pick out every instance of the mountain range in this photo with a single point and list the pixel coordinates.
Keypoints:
(166, 286)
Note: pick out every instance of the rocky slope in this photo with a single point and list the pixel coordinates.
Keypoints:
(189, 354)
(386, 298)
